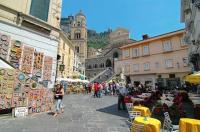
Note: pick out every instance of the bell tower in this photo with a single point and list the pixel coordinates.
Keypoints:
(79, 36)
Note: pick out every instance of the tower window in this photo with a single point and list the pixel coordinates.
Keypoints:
(77, 35)
(77, 49)
(79, 24)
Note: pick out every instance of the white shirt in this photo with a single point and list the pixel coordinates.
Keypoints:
(123, 90)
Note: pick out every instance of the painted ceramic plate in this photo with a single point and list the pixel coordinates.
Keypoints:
(38, 74)
(4, 37)
(21, 77)
(10, 72)
(2, 71)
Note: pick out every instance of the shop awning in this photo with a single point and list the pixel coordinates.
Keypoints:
(193, 78)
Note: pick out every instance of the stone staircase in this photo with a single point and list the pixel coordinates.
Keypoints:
(103, 76)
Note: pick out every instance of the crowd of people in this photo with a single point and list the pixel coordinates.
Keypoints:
(99, 90)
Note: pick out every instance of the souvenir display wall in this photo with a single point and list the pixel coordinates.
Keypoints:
(21, 88)
(18, 90)
(4, 45)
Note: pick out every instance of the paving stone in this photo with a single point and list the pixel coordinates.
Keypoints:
(82, 114)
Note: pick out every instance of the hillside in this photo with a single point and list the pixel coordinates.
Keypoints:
(98, 40)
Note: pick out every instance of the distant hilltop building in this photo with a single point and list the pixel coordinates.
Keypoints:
(75, 28)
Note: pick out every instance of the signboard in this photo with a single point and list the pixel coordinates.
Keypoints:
(21, 112)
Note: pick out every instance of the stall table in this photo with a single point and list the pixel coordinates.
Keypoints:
(144, 110)
(189, 125)
(150, 124)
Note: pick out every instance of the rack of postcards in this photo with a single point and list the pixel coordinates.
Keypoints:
(20, 87)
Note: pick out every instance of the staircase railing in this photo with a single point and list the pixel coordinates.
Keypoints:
(97, 76)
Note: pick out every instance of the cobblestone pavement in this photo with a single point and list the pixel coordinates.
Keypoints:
(83, 113)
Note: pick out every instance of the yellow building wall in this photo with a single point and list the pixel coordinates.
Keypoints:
(66, 52)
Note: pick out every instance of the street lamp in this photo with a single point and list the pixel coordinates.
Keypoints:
(61, 68)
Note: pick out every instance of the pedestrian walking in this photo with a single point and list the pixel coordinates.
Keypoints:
(59, 93)
(96, 89)
(122, 93)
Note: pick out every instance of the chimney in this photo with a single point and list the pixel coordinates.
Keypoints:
(145, 37)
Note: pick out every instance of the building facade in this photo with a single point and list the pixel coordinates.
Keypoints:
(190, 15)
(67, 57)
(35, 26)
(93, 53)
(75, 27)
(111, 52)
(161, 59)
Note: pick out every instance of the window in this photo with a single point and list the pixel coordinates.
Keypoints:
(69, 61)
(169, 63)
(146, 50)
(127, 68)
(79, 24)
(157, 65)
(146, 66)
(77, 49)
(135, 67)
(185, 61)
(77, 35)
(135, 52)
(167, 46)
(126, 53)
(182, 41)
(63, 45)
(40, 9)
(63, 58)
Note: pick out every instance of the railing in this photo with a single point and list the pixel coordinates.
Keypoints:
(97, 76)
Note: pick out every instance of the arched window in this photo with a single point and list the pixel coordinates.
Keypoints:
(89, 67)
(77, 34)
(108, 63)
(77, 49)
(115, 55)
(79, 24)
(95, 66)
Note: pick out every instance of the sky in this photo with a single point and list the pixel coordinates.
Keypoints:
(152, 17)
